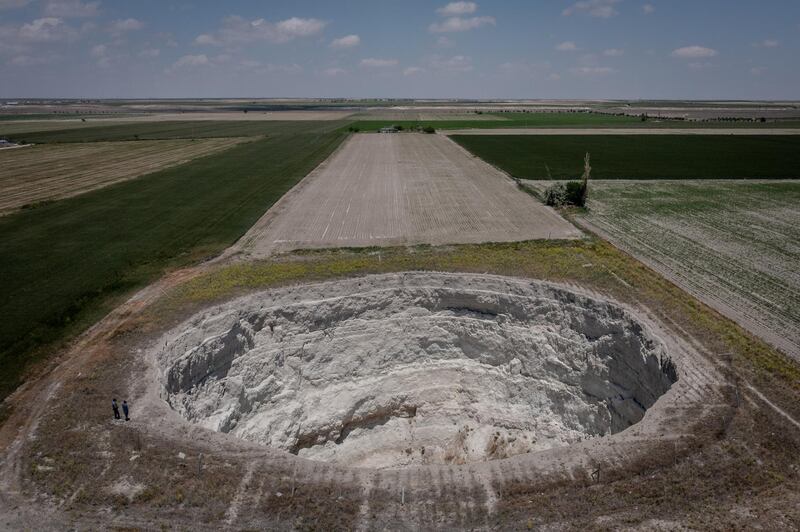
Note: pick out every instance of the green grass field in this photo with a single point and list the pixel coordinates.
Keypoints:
(63, 264)
(640, 157)
(506, 120)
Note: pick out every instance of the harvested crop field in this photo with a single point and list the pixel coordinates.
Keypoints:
(38, 173)
(381, 190)
(733, 244)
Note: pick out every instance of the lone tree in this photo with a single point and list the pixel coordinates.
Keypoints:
(587, 171)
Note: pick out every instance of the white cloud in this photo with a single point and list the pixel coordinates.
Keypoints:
(238, 30)
(567, 46)
(121, 26)
(457, 63)
(410, 71)
(334, 71)
(13, 4)
(458, 8)
(189, 61)
(71, 8)
(372, 62)
(768, 43)
(757, 71)
(592, 71)
(648, 9)
(613, 52)
(48, 29)
(694, 52)
(445, 42)
(348, 41)
(29, 60)
(300, 27)
(150, 52)
(554, 77)
(592, 8)
(453, 24)
(99, 50)
(206, 39)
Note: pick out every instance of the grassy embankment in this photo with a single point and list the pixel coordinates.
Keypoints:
(640, 157)
(66, 263)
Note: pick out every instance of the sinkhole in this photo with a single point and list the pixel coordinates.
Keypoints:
(415, 368)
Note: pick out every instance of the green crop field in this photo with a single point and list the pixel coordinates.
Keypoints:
(63, 264)
(640, 157)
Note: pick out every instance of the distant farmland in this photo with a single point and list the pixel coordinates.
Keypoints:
(640, 157)
(155, 130)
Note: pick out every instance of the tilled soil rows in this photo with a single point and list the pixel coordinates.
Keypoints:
(382, 190)
(38, 173)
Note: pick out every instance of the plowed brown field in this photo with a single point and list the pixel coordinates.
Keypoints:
(381, 190)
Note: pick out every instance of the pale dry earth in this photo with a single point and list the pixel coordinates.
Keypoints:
(734, 244)
(623, 131)
(49, 172)
(160, 447)
(417, 369)
(384, 190)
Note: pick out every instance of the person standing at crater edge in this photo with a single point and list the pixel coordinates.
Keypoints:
(125, 410)
(116, 408)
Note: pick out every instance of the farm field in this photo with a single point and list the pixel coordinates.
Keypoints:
(733, 244)
(503, 120)
(150, 130)
(63, 264)
(640, 157)
(47, 172)
(696, 130)
(403, 189)
(546, 120)
(19, 124)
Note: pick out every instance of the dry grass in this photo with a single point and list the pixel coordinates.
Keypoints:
(49, 172)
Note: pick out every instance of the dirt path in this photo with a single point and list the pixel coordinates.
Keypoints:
(381, 190)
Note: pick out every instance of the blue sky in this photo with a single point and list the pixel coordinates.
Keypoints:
(672, 49)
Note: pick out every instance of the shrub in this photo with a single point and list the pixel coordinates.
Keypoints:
(555, 196)
(573, 192)
(429, 129)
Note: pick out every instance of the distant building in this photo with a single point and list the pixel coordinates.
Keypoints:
(5, 144)
(391, 129)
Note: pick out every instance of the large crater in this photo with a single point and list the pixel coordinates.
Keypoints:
(415, 368)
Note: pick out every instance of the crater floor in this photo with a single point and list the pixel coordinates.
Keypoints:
(416, 369)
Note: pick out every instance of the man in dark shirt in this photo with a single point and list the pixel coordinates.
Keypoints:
(125, 410)
(116, 408)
